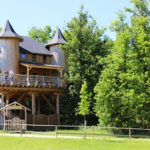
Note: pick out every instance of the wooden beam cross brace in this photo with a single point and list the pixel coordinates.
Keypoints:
(20, 98)
(49, 103)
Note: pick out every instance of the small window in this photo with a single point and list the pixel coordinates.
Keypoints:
(44, 58)
(23, 56)
(34, 57)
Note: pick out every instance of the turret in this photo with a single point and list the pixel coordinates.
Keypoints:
(9, 49)
(58, 54)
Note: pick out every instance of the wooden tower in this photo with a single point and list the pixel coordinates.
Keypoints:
(34, 74)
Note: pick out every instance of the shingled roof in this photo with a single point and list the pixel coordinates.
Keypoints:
(29, 45)
(57, 39)
(9, 32)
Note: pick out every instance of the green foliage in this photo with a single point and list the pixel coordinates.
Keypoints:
(123, 91)
(84, 104)
(86, 44)
(43, 35)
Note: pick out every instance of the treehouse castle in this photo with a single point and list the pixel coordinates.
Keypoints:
(31, 74)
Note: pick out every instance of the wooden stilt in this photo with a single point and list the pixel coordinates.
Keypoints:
(33, 107)
(25, 119)
(33, 104)
(2, 112)
(39, 106)
(4, 119)
(57, 108)
(7, 100)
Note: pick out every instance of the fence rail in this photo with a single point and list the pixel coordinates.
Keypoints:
(77, 131)
(30, 80)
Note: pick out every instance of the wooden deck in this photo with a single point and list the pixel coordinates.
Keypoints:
(18, 80)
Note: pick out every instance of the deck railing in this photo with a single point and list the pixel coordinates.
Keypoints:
(30, 80)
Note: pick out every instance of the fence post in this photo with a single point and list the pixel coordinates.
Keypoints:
(21, 128)
(56, 131)
(93, 132)
(130, 133)
(85, 130)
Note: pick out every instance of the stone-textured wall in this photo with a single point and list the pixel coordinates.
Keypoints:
(59, 56)
(9, 56)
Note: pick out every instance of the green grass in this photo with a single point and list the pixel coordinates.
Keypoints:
(24, 143)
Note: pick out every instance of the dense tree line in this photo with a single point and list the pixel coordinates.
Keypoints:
(105, 78)
(123, 91)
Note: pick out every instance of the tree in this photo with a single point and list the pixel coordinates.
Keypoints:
(84, 104)
(86, 43)
(123, 93)
(43, 35)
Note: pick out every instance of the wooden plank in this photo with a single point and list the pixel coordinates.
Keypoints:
(20, 98)
(42, 67)
(14, 107)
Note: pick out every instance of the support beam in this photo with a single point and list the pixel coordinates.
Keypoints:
(57, 108)
(7, 100)
(20, 98)
(28, 70)
(4, 119)
(39, 108)
(33, 104)
(2, 105)
(25, 119)
(49, 103)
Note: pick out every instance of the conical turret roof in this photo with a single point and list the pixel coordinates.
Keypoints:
(57, 39)
(9, 32)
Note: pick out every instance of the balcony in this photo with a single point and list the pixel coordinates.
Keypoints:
(30, 81)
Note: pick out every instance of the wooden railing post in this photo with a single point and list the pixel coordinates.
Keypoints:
(56, 131)
(21, 127)
(92, 132)
(130, 133)
(85, 130)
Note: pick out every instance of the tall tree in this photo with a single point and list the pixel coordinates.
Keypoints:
(123, 93)
(84, 104)
(86, 42)
(43, 35)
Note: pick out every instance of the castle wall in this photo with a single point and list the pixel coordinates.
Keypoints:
(59, 56)
(9, 55)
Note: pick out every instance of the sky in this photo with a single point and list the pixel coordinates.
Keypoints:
(24, 14)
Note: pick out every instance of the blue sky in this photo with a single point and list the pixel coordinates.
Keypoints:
(23, 14)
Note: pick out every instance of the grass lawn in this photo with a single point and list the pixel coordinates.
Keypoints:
(27, 143)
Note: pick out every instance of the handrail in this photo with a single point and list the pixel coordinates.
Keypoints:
(30, 80)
